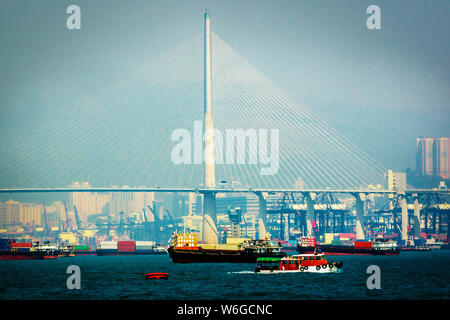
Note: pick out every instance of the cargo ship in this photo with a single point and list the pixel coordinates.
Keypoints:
(115, 248)
(11, 250)
(375, 247)
(184, 248)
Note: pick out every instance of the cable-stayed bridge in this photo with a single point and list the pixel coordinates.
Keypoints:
(119, 132)
(124, 133)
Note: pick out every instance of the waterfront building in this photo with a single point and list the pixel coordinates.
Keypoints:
(141, 200)
(87, 203)
(9, 213)
(396, 180)
(432, 157)
(194, 224)
(14, 213)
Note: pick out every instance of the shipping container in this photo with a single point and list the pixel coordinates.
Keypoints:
(5, 244)
(328, 237)
(145, 243)
(126, 246)
(82, 247)
(144, 248)
(109, 242)
(348, 235)
(21, 245)
(108, 245)
(363, 244)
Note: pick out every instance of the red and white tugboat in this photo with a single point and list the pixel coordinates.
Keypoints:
(297, 263)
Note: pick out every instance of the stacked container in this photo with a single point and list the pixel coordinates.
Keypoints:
(144, 246)
(126, 246)
(337, 242)
(5, 244)
(363, 244)
(307, 241)
(108, 246)
(81, 249)
(21, 247)
(185, 240)
(328, 238)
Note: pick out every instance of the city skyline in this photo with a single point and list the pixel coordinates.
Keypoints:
(216, 157)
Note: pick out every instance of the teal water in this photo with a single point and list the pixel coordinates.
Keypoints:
(410, 275)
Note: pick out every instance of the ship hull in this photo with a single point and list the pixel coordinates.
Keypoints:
(415, 249)
(127, 253)
(85, 253)
(12, 255)
(336, 250)
(311, 270)
(217, 256)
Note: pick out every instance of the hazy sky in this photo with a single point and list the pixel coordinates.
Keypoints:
(379, 88)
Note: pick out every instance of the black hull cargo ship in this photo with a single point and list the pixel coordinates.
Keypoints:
(377, 247)
(185, 250)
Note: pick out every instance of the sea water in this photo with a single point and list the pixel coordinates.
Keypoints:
(410, 275)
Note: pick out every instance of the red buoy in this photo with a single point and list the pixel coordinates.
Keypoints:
(157, 275)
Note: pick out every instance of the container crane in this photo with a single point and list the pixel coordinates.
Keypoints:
(121, 224)
(67, 227)
(147, 226)
(47, 229)
(77, 218)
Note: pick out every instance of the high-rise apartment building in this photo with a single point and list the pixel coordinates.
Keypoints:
(9, 213)
(17, 213)
(396, 180)
(432, 156)
(141, 200)
(441, 147)
(87, 203)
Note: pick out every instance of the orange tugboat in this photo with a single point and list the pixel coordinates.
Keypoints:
(297, 263)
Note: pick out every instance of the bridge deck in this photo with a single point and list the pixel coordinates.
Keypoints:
(224, 190)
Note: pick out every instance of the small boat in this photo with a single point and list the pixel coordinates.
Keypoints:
(297, 263)
(157, 275)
